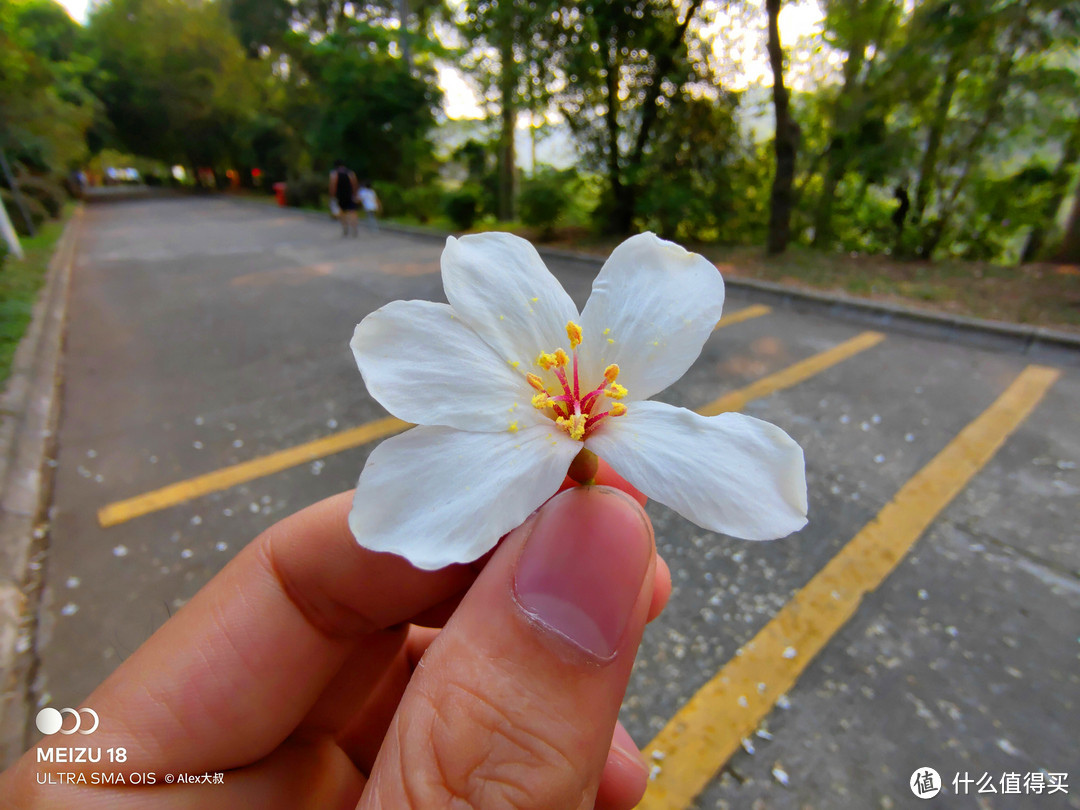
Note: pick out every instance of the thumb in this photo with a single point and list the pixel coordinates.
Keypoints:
(515, 703)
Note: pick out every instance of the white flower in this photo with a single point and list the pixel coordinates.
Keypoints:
(508, 381)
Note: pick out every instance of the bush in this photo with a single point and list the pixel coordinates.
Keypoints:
(422, 202)
(392, 197)
(37, 211)
(461, 207)
(46, 192)
(544, 198)
(307, 191)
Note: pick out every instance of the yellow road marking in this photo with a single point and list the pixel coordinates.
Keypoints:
(744, 314)
(792, 375)
(123, 511)
(701, 737)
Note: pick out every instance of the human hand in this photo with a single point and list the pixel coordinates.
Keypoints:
(297, 672)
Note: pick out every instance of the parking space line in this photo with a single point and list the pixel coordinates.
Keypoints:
(173, 494)
(793, 374)
(700, 738)
(744, 314)
(123, 511)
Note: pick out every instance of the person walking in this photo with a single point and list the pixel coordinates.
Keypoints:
(343, 189)
(369, 200)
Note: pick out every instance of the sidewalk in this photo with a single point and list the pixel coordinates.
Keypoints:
(29, 409)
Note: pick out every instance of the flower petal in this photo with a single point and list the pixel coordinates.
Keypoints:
(438, 496)
(729, 473)
(498, 285)
(653, 306)
(424, 365)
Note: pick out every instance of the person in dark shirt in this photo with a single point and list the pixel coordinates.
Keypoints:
(343, 188)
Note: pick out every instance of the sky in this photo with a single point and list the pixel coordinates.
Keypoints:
(747, 46)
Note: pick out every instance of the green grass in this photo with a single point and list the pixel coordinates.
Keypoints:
(20, 282)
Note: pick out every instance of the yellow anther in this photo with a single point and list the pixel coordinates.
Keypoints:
(558, 359)
(515, 363)
(615, 391)
(535, 382)
(610, 340)
(513, 427)
(611, 373)
(574, 425)
(573, 331)
(607, 331)
(540, 401)
(618, 409)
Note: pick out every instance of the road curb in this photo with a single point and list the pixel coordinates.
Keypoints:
(1049, 344)
(29, 411)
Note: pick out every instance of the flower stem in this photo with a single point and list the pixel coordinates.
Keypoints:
(583, 467)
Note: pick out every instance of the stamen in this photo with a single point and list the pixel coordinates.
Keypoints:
(615, 391)
(574, 425)
(573, 331)
(570, 409)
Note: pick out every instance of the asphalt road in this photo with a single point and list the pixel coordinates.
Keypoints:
(207, 333)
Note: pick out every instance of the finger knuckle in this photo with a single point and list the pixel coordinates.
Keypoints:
(489, 752)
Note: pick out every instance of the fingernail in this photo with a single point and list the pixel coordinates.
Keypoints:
(583, 566)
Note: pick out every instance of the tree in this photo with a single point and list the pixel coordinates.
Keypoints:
(367, 107)
(785, 141)
(859, 28)
(45, 108)
(620, 67)
(1069, 252)
(174, 80)
(514, 38)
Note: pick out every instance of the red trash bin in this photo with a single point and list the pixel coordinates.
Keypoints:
(279, 192)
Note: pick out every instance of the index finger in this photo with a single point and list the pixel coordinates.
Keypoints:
(230, 676)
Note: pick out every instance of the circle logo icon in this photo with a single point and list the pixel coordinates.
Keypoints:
(51, 721)
(925, 783)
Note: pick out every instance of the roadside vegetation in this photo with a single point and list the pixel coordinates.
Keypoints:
(20, 282)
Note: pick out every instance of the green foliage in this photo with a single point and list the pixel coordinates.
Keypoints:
(38, 213)
(307, 191)
(369, 109)
(545, 197)
(45, 109)
(461, 207)
(51, 195)
(422, 202)
(392, 197)
(174, 80)
(20, 282)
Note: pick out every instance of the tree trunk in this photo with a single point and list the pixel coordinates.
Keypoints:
(835, 170)
(928, 165)
(621, 216)
(1059, 188)
(403, 16)
(971, 149)
(838, 155)
(1069, 252)
(784, 144)
(507, 86)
